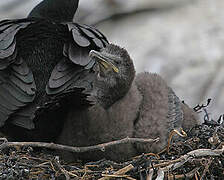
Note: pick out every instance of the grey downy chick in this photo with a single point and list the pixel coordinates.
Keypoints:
(141, 106)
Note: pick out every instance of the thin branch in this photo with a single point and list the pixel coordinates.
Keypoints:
(206, 169)
(193, 154)
(119, 173)
(184, 176)
(160, 175)
(150, 174)
(57, 163)
(100, 147)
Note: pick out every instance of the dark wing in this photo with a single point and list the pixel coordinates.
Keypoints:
(17, 86)
(72, 76)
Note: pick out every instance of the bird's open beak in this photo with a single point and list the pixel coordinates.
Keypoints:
(103, 60)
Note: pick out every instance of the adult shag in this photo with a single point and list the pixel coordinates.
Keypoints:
(45, 68)
(63, 81)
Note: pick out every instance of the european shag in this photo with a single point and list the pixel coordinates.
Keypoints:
(63, 81)
(148, 108)
(45, 68)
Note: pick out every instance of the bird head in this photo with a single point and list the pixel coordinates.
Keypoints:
(115, 73)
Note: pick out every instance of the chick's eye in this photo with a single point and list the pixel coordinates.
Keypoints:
(117, 62)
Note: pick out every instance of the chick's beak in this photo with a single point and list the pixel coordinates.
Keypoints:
(103, 60)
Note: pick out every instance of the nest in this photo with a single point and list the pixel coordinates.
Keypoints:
(198, 156)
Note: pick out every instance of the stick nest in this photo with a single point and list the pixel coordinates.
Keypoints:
(198, 156)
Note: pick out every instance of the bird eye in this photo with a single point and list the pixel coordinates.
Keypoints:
(117, 62)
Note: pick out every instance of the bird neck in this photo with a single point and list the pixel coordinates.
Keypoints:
(113, 89)
(55, 10)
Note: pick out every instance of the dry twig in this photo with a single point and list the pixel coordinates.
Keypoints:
(193, 154)
(53, 146)
(184, 176)
(118, 173)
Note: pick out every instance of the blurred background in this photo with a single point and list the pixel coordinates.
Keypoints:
(182, 40)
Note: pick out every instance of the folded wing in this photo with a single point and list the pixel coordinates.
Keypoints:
(17, 86)
(72, 76)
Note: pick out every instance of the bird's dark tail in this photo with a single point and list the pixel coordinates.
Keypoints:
(55, 10)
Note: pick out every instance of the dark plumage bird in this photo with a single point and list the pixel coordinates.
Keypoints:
(146, 108)
(64, 79)
(45, 68)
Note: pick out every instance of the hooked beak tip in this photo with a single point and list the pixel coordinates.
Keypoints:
(103, 60)
(93, 53)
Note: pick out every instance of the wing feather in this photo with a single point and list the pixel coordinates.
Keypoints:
(78, 56)
(79, 39)
(17, 84)
(72, 76)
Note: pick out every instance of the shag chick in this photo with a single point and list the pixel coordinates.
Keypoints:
(141, 106)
